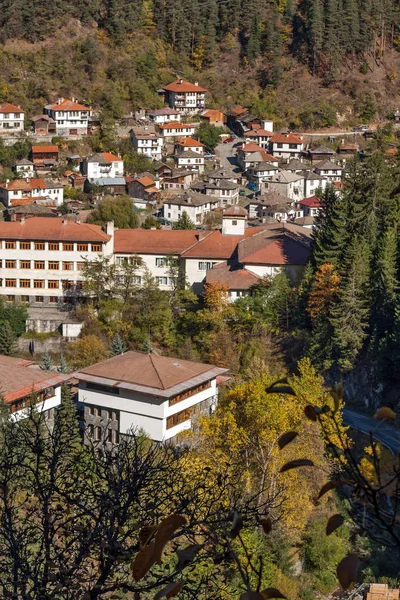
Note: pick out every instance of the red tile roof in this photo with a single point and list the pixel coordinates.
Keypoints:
(176, 125)
(111, 157)
(268, 157)
(286, 138)
(157, 241)
(19, 381)
(235, 211)
(238, 110)
(275, 246)
(146, 181)
(67, 105)
(216, 245)
(52, 229)
(251, 147)
(188, 142)
(181, 85)
(10, 108)
(234, 278)
(50, 148)
(259, 132)
(312, 202)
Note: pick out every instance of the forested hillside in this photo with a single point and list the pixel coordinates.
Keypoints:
(339, 55)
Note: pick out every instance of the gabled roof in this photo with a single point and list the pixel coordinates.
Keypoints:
(103, 157)
(307, 174)
(211, 113)
(286, 177)
(235, 278)
(322, 150)
(176, 125)
(51, 229)
(263, 166)
(238, 110)
(188, 154)
(187, 142)
(145, 181)
(153, 241)
(49, 148)
(181, 85)
(250, 147)
(276, 245)
(19, 381)
(66, 105)
(24, 162)
(235, 211)
(258, 133)
(10, 108)
(286, 138)
(327, 165)
(311, 202)
(160, 112)
(43, 118)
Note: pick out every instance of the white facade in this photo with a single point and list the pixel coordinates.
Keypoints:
(332, 174)
(12, 191)
(148, 143)
(71, 118)
(160, 117)
(156, 264)
(11, 119)
(262, 172)
(103, 168)
(312, 184)
(174, 129)
(196, 212)
(190, 161)
(286, 183)
(26, 169)
(285, 148)
(137, 411)
(53, 401)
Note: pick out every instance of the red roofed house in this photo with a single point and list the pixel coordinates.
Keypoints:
(44, 156)
(11, 119)
(175, 129)
(102, 165)
(188, 143)
(144, 190)
(311, 206)
(71, 118)
(250, 153)
(214, 117)
(26, 191)
(184, 96)
(286, 145)
(163, 115)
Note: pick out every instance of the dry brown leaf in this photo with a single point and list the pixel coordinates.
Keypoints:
(385, 413)
(334, 522)
(266, 524)
(146, 533)
(165, 529)
(144, 560)
(330, 485)
(294, 464)
(310, 413)
(286, 438)
(347, 570)
(171, 590)
(272, 593)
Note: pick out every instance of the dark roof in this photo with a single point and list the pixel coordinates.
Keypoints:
(327, 165)
(235, 211)
(322, 150)
(235, 277)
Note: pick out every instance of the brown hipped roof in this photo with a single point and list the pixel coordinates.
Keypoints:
(50, 148)
(149, 373)
(286, 138)
(10, 108)
(181, 85)
(51, 229)
(67, 105)
(153, 241)
(234, 278)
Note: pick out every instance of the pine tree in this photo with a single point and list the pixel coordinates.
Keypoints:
(184, 222)
(7, 339)
(118, 346)
(47, 363)
(147, 346)
(63, 367)
(330, 229)
(253, 44)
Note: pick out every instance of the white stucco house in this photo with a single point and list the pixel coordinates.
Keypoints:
(164, 115)
(25, 191)
(286, 145)
(103, 165)
(11, 119)
(147, 142)
(71, 118)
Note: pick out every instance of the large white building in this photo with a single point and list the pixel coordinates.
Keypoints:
(102, 165)
(147, 142)
(27, 191)
(286, 145)
(184, 96)
(11, 119)
(41, 259)
(136, 391)
(70, 117)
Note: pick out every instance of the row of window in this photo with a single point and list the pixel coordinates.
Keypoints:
(95, 411)
(96, 433)
(178, 418)
(27, 401)
(38, 299)
(52, 265)
(189, 393)
(53, 246)
(165, 280)
(52, 284)
(206, 266)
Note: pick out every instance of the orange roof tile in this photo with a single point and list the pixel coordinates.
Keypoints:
(259, 132)
(286, 138)
(146, 181)
(181, 85)
(251, 147)
(111, 157)
(67, 105)
(52, 229)
(50, 148)
(234, 278)
(176, 125)
(189, 142)
(153, 241)
(10, 108)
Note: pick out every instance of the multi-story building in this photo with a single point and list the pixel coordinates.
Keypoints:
(330, 170)
(286, 145)
(11, 119)
(70, 117)
(32, 189)
(136, 391)
(184, 96)
(188, 143)
(189, 161)
(102, 165)
(45, 156)
(196, 206)
(41, 259)
(147, 142)
(164, 115)
(176, 129)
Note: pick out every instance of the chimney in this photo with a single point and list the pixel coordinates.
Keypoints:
(202, 235)
(110, 228)
(181, 81)
(7, 182)
(64, 222)
(60, 100)
(22, 221)
(78, 221)
(196, 83)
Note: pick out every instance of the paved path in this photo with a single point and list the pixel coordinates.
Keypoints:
(384, 431)
(328, 134)
(226, 154)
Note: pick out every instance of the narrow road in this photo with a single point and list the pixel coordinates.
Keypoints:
(226, 154)
(383, 431)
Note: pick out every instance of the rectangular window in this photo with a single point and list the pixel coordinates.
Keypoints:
(82, 247)
(11, 264)
(39, 264)
(68, 247)
(54, 284)
(178, 418)
(39, 245)
(24, 245)
(11, 283)
(24, 283)
(95, 247)
(293, 146)
(107, 389)
(54, 265)
(137, 279)
(38, 283)
(24, 299)
(162, 280)
(189, 393)
(204, 266)
(280, 145)
(90, 431)
(24, 264)
(97, 434)
(68, 266)
(54, 246)
(160, 262)
(53, 299)
(10, 298)
(115, 437)
(39, 299)
(11, 245)
(80, 266)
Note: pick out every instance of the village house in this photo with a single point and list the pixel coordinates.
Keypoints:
(234, 115)
(286, 145)
(270, 207)
(310, 206)
(11, 119)
(161, 169)
(24, 168)
(71, 118)
(294, 165)
(135, 391)
(26, 191)
(312, 182)
(24, 385)
(144, 190)
(320, 153)
(183, 96)
(189, 160)
(43, 125)
(245, 123)
(195, 204)
(250, 153)
(329, 170)
(188, 143)
(41, 259)
(287, 184)
(102, 165)
(28, 211)
(226, 190)
(178, 180)
(115, 186)
(44, 157)
(348, 149)
(214, 117)
(176, 129)
(261, 172)
(147, 142)
(164, 115)
(261, 136)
